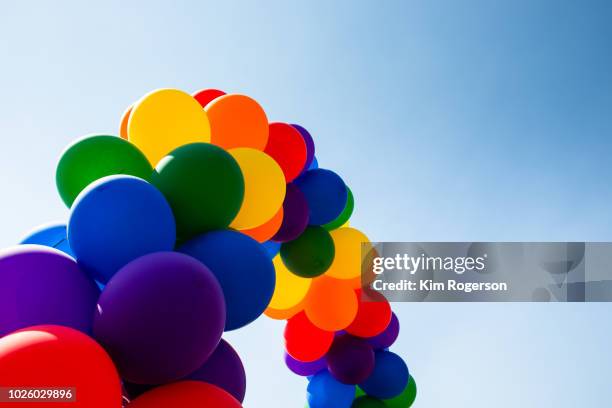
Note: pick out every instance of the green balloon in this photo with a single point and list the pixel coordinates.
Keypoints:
(204, 186)
(359, 392)
(94, 157)
(368, 402)
(310, 254)
(406, 398)
(344, 215)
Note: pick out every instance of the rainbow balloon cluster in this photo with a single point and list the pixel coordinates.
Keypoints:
(199, 218)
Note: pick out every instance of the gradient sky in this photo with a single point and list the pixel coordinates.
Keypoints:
(450, 120)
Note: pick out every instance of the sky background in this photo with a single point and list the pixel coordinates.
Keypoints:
(466, 120)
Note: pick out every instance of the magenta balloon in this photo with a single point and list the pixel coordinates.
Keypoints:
(305, 369)
(350, 359)
(295, 217)
(41, 285)
(223, 369)
(388, 336)
(160, 317)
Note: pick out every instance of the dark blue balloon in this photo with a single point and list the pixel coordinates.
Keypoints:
(389, 377)
(325, 392)
(243, 268)
(50, 235)
(325, 193)
(272, 248)
(116, 220)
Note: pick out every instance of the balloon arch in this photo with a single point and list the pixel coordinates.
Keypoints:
(197, 219)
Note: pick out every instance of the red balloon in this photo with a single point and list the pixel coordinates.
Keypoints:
(304, 341)
(59, 357)
(286, 145)
(205, 96)
(373, 315)
(186, 394)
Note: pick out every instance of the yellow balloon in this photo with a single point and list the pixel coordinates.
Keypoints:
(164, 120)
(264, 188)
(349, 255)
(290, 289)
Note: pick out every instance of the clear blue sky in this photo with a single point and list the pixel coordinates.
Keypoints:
(450, 120)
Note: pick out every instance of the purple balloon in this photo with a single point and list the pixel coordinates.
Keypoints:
(350, 359)
(41, 285)
(310, 146)
(160, 317)
(223, 369)
(388, 336)
(295, 218)
(305, 369)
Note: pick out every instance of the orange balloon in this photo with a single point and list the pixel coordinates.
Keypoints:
(237, 121)
(186, 394)
(266, 231)
(123, 127)
(284, 314)
(331, 304)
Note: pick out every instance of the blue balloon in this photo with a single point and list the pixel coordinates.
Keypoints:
(389, 378)
(325, 193)
(242, 267)
(314, 164)
(324, 391)
(116, 220)
(272, 248)
(50, 235)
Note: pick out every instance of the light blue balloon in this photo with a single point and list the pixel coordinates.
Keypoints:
(116, 220)
(324, 391)
(272, 248)
(50, 235)
(314, 164)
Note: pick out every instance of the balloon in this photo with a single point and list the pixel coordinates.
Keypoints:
(94, 157)
(389, 377)
(290, 289)
(368, 402)
(272, 248)
(325, 193)
(314, 165)
(52, 235)
(388, 336)
(350, 359)
(223, 369)
(287, 146)
(311, 254)
(160, 317)
(325, 392)
(204, 186)
(164, 120)
(310, 146)
(237, 121)
(305, 369)
(186, 394)
(243, 269)
(116, 220)
(123, 126)
(304, 341)
(406, 398)
(373, 315)
(350, 251)
(344, 215)
(59, 357)
(295, 215)
(284, 314)
(205, 96)
(41, 285)
(331, 304)
(264, 188)
(267, 230)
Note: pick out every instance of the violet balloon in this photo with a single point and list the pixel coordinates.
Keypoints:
(350, 359)
(310, 146)
(388, 336)
(295, 218)
(305, 369)
(160, 317)
(42, 285)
